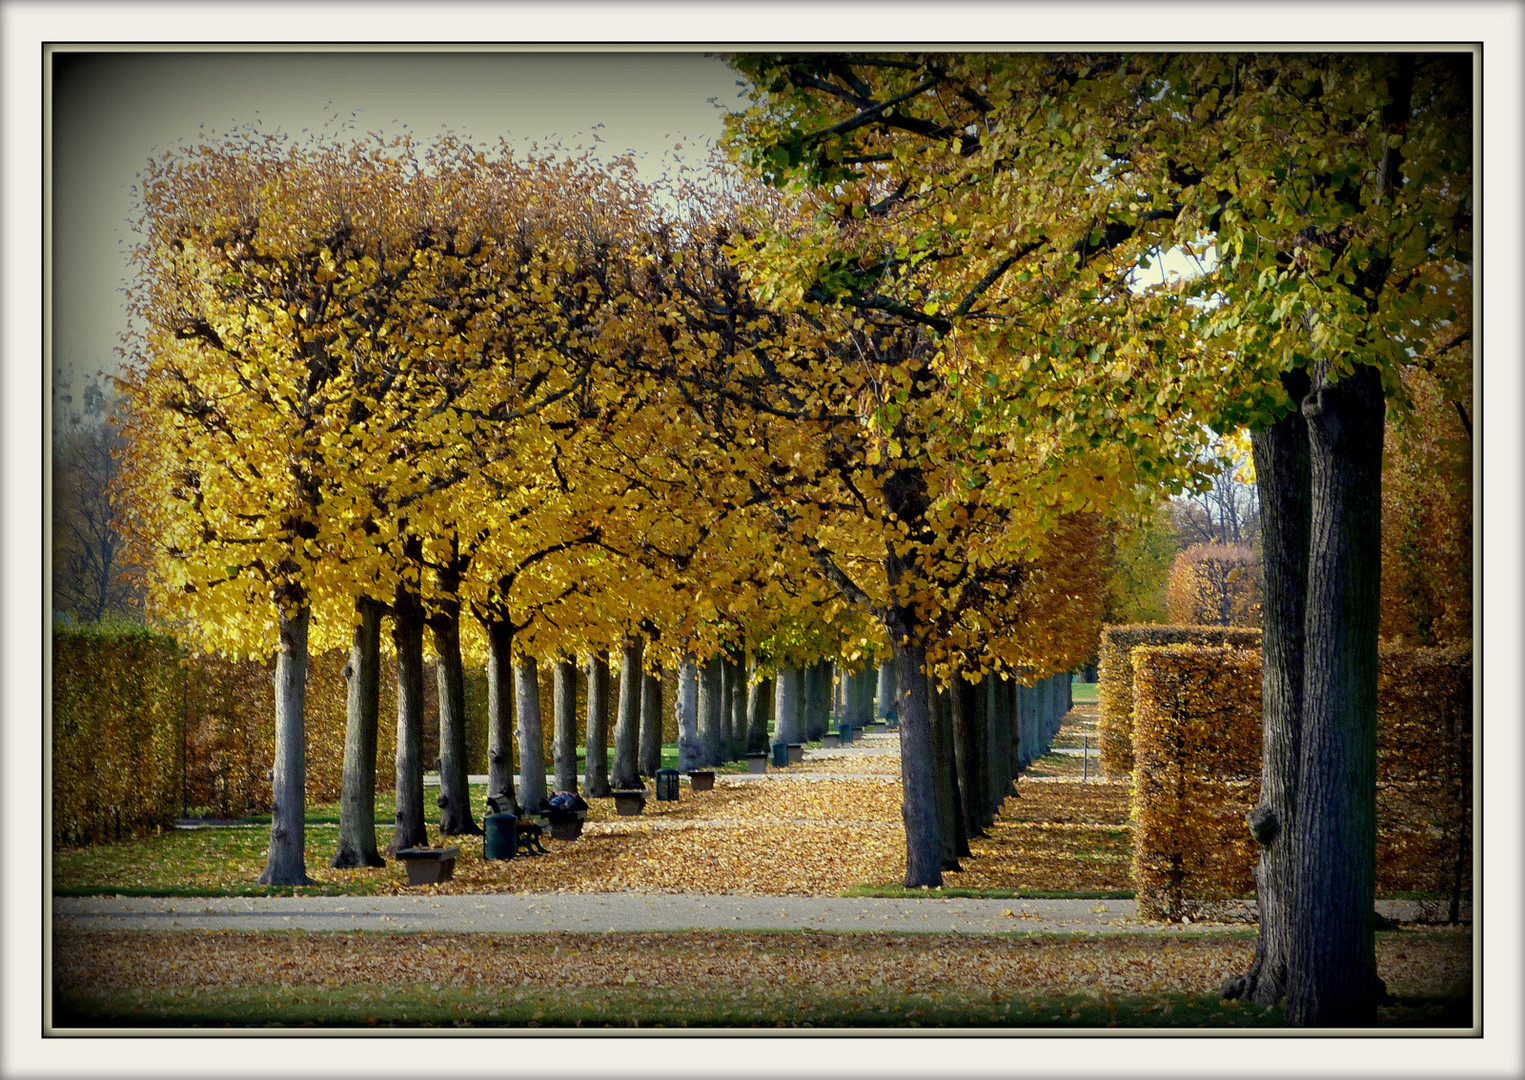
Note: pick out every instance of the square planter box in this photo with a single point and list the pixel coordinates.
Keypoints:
(831, 738)
(796, 753)
(426, 866)
(566, 824)
(757, 763)
(629, 803)
(702, 779)
(878, 727)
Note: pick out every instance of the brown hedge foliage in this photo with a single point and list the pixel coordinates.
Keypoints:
(1115, 721)
(1197, 741)
(118, 700)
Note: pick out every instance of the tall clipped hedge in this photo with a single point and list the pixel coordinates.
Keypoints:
(1115, 670)
(1197, 741)
(118, 703)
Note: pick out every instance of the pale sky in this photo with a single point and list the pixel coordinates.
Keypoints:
(112, 110)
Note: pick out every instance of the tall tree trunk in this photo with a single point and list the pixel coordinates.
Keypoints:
(530, 734)
(884, 692)
(357, 799)
(500, 712)
(627, 724)
(456, 817)
(949, 803)
(727, 698)
(286, 862)
(651, 723)
(758, 708)
(814, 722)
(739, 706)
(997, 750)
(596, 762)
(408, 639)
(564, 708)
(686, 706)
(1283, 482)
(710, 730)
(786, 709)
(1332, 971)
(969, 754)
(918, 765)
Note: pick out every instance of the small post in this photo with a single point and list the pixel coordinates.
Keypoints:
(1085, 761)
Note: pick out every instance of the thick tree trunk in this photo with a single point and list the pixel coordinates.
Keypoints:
(357, 799)
(786, 709)
(740, 691)
(1282, 479)
(286, 862)
(711, 731)
(759, 706)
(817, 701)
(1332, 972)
(728, 746)
(651, 724)
(997, 748)
(918, 766)
(969, 754)
(596, 761)
(408, 639)
(454, 799)
(500, 713)
(564, 709)
(530, 734)
(949, 801)
(686, 706)
(627, 724)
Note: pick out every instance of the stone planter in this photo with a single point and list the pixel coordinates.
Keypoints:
(757, 763)
(701, 779)
(796, 753)
(831, 738)
(427, 866)
(629, 803)
(566, 824)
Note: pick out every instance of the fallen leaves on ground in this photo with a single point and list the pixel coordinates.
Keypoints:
(122, 960)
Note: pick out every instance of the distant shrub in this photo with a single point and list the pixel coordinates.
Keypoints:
(1214, 585)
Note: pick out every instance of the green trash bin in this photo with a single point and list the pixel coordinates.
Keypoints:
(500, 836)
(847, 734)
(780, 755)
(667, 785)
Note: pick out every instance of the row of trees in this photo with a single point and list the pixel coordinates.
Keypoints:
(890, 398)
(513, 406)
(1012, 199)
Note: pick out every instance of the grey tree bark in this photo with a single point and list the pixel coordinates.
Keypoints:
(1332, 971)
(884, 692)
(817, 715)
(564, 709)
(596, 762)
(627, 723)
(500, 711)
(953, 843)
(918, 766)
(739, 691)
(1284, 482)
(786, 709)
(411, 830)
(711, 732)
(530, 734)
(454, 799)
(286, 862)
(357, 799)
(759, 709)
(651, 724)
(686, 706)
(969, 740)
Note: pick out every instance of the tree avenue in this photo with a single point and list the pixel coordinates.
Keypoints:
(1015, 199)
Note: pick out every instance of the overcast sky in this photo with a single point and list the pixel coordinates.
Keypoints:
(112, 110)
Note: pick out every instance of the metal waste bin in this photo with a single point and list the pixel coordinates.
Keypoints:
(780, 755)
(667, 785)
(500, 836)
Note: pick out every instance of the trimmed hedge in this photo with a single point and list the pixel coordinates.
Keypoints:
(118, 704)
(1115, 671)
(1198, 741)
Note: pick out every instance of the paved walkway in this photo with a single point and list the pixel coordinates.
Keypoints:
(596, 912)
